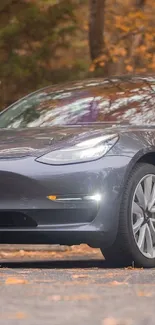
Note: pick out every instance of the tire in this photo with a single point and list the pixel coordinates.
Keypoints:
(133, 246)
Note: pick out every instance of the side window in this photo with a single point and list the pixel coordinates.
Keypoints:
(131, 102)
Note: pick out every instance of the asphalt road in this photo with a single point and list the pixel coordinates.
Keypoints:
(75, 290)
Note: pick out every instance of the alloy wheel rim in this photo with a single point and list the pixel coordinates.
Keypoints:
(143, 215)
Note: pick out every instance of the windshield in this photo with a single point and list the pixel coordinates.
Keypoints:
(128, 102)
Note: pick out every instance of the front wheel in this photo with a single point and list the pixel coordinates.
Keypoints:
(135, 242)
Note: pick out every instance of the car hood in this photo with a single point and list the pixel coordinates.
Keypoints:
(35, 142)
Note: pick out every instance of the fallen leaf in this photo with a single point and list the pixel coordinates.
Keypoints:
(114, 321)
(55, 298)
(110, 321)
(20, 315)
(116, 283)
(112, 274)
(22, 252)
(17, 315)
(15, 281)
(133, 268)
(144, 294)
(72, 297)
(79, 297)
(76, 276)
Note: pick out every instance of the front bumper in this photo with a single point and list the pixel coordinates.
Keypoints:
(25, 185)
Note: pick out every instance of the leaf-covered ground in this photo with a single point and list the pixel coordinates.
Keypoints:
(73, 287)
(15, 252)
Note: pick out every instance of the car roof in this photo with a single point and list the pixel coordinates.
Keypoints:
(85, 83)
(115, 82)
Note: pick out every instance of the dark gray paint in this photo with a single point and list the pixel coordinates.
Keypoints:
(25, 183)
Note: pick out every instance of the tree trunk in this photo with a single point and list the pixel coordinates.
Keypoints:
(96, 27)
(5, 3)
(137, 39)
(140, 3)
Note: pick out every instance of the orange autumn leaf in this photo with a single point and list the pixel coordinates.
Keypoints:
(144, 294)
(16, 281)
(129, 68)
(20, 315)
(77, 276)
(117, 283)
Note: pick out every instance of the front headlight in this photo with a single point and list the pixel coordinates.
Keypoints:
(88, 150)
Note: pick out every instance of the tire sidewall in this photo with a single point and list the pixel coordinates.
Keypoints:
(140, 171)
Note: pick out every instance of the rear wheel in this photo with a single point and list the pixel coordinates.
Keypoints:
(135, 242)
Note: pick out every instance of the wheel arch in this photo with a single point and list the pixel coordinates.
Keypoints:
(142, 156)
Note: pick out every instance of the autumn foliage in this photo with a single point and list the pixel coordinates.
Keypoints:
(47, 41)
(129, 34)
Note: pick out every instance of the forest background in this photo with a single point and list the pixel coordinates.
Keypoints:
(51, 41)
